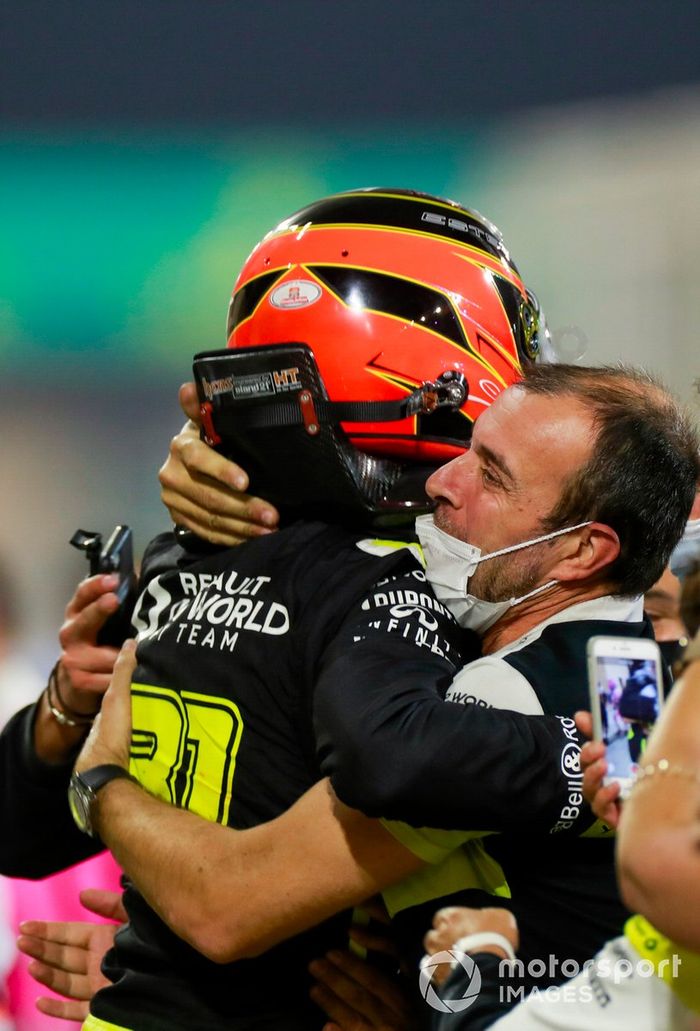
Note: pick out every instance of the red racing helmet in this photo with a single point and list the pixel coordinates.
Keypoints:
(385, 319)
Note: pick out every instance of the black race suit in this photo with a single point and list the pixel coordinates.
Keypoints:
(245, 657)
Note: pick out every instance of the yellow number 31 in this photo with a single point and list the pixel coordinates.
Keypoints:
(184, 747)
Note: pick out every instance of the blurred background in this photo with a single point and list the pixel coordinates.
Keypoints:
(146, 145)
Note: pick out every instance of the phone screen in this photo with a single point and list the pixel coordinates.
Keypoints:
(628, 695)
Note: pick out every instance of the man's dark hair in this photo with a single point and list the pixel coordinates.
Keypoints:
(643, 471)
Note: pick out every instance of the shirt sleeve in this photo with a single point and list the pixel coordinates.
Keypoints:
(490, 681)
(393, 748)
(39, 835)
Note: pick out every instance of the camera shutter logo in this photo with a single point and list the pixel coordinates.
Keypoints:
(453, 957)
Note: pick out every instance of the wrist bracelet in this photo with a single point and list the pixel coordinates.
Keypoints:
(66, 716)
(474, 942)
(663, 766)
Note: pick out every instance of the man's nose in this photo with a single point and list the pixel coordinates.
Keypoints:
(447, 483)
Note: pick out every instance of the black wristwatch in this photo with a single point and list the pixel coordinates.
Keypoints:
(82, 792)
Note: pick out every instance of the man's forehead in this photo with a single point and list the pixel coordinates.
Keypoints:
(519, 425)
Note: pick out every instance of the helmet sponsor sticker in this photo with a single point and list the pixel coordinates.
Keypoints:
(256, 384)
(212, 387)
(295, 293)
(277, 381)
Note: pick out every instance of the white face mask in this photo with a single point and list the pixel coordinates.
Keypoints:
(451, 562)
(686, 554)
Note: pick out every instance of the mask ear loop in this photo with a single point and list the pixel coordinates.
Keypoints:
(537, 590)
(535, 540)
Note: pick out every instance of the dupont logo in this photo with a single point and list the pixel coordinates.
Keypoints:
(295, 293)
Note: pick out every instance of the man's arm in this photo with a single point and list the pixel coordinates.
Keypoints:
(233, 894)
(39, 836)
(37, 751)
(393, 748)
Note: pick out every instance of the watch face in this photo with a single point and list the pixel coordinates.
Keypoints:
(79, 800)
(83, 789)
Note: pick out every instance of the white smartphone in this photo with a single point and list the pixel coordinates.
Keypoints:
(626, 689)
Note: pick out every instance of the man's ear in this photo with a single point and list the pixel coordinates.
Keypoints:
(587, 552)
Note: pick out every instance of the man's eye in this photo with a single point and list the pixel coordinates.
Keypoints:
(490, 478)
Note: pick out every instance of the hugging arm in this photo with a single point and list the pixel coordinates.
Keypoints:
(229, 893)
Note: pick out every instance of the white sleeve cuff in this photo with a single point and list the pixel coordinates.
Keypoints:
(473, 943)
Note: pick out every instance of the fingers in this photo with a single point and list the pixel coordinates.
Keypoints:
(449, 924)
(116, 705)
(361, 981)
(218, 529)
(125, 665)
(66, 958)
(439, 972)
(453, 915)
(199, 459)
(608, 805)
(89, 591)
(93, 602)
(83, 684)
(455, 922)
(602, 798)
(73, 986)
(584, 722)
(64, 1009)
(357, 995)
(337, 1010)
(189, 402)
(594, 768)
(202, 490)
(60, 943)
(591, 752)
(104, 903)
(61, 968)
(109, 739)
(85, 666)
(373, 941)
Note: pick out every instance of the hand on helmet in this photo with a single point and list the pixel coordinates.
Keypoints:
(205, 492)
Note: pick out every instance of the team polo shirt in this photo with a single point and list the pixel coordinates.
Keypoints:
(560, 886)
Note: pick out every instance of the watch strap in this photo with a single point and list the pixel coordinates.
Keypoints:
(83, 789)
(97, 776)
